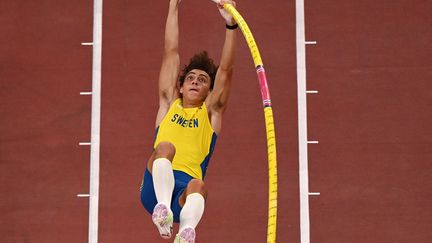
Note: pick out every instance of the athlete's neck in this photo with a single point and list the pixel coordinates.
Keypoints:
(191, 104)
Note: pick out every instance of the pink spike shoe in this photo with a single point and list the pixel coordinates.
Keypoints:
(187, 235)
(163, 219)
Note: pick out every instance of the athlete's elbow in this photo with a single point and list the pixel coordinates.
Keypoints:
(171, 51)
(228, 69)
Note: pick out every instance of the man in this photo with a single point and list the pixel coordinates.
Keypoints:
(187, 124)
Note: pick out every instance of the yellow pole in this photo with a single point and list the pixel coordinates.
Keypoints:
(270, 131)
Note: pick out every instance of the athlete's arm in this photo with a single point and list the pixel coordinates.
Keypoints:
(169, 71)
(218, 98)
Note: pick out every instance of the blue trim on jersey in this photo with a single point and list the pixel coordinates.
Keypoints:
(206, 161)
(155, 137)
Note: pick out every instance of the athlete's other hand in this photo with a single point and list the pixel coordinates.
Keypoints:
(224, 13)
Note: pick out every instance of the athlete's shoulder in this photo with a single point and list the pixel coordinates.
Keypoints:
(164, 110)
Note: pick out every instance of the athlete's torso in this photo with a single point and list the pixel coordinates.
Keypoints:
(190, 131)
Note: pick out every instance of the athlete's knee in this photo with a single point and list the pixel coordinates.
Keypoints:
(197, 186)
(165, 150)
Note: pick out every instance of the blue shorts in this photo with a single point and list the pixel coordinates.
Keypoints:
(148, 196)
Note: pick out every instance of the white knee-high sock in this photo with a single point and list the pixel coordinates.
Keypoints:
(192, 211)
(163, 180)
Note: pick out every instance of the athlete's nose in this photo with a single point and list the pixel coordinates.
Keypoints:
(194, 81)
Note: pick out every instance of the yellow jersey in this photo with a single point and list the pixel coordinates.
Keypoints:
(190, 131)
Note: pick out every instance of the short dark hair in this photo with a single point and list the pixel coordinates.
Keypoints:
(202, 62)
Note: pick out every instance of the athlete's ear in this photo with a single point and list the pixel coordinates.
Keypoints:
(181, 90)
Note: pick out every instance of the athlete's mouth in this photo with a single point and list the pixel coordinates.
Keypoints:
(193, 89)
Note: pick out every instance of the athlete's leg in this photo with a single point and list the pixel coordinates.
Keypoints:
(160, 167)
(192, 200)
(163, 150)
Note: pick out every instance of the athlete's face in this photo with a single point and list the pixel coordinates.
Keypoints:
(196, 85)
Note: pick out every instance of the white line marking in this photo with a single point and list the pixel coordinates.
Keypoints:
(83, 195)
(314, 193)
(87, 43)
(310, 42)
(302, 123)
(313, 142)
(95, 122)
(85, 93)
(311, 91)
(84, 143)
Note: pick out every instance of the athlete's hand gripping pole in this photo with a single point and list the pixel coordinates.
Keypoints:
(271, 140)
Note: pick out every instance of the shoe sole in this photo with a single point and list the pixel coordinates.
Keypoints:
(186, 236)
(160, 218)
